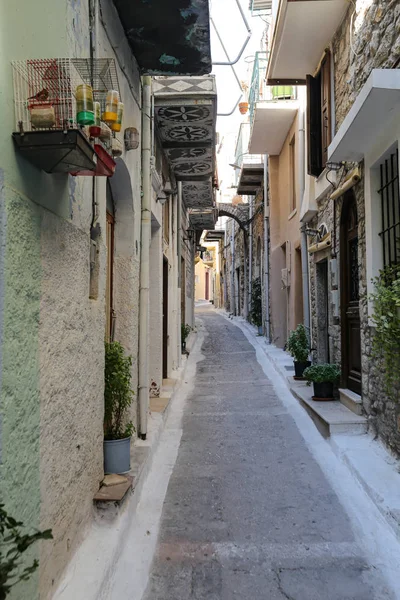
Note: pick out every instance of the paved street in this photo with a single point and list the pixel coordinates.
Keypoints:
(248, 512)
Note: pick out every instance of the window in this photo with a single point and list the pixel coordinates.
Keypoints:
(319, 117)
(390, 208)
(292, 175)
(166, 220)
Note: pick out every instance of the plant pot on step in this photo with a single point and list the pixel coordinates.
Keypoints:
(117, 456)
(183, 347)
(323, 390)
(299, 368)
(259, 330)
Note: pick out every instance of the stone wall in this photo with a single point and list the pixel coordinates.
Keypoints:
(375, 44)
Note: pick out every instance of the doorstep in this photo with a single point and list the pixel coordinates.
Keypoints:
(332, 416)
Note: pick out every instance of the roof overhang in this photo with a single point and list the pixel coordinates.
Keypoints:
(251, 178)
(376, 104)
(185, 112)
(168, 37)
(271, 124)
(303, 30)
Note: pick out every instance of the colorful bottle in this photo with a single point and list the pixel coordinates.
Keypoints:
(110, 115)
(118, 124)
(84, 105)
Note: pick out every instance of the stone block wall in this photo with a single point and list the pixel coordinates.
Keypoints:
(375, 43)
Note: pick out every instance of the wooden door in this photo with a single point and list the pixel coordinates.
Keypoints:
(165, 318)
(350, 298)
(109, 275)
(207, 292)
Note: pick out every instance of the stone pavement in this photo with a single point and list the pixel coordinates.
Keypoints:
(248, 512)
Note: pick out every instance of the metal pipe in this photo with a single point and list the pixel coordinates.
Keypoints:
(246, 283)
(179, 240)
(145, 260)
(266, 252)
(303, 239)
(233, 71)
(233, 62)
(233, 295)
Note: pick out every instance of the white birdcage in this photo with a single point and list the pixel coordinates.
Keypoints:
(49, 86)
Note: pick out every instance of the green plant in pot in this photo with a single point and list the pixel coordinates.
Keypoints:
(256, 305)
(323, 377)
(118, 397)
(298, 346)
(185, 330)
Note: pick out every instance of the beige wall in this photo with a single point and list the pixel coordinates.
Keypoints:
(286, 304)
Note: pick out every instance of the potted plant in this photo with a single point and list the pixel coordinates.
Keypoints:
(323, 376)
(299, 347)
(185, 330)
(118, 397)
(256, 305)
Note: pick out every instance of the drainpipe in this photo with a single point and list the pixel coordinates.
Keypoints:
(246, 283)
(250, 252)
(304, 245)
(233, 298)
(266, 251)
(179, 228)
(145, 261)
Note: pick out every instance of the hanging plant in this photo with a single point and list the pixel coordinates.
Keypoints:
(386, 319)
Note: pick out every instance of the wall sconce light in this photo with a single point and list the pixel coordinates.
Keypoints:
(161, 197)
(131, 138)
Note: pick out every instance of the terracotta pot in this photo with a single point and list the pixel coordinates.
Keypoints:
(243, 107)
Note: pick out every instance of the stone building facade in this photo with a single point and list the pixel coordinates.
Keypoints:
(372, 43)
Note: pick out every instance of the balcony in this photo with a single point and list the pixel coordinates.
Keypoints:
(167, 37)
(272, 110)
(185, 112)
(308, 25)
(249, 168)
(260, 7)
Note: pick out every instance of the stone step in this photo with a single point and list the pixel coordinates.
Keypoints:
(330, 417)
(159, 404)
(351, 400)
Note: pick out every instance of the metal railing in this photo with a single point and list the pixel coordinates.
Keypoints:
(258, 88)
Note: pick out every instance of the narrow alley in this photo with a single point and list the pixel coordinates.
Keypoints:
(248, 512)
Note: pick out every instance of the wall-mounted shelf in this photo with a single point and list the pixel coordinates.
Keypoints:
(57, 151)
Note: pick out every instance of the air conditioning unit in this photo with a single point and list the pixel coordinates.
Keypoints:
(285, 278)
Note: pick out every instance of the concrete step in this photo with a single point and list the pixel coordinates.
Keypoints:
(330, 417)
(159, 404)
(351, 400)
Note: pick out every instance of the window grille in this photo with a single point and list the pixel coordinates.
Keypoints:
(390, 209)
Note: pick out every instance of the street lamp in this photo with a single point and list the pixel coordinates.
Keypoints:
(235, 165)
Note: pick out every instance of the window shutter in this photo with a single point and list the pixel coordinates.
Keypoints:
(326, 105)
(314, 126)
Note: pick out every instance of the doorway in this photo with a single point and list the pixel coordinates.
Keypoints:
(165, 319)
(350, 297)
(207, 291)
(323, 353)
